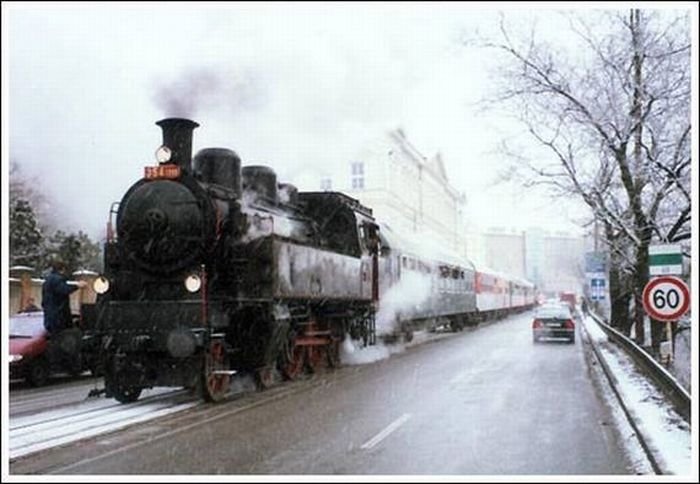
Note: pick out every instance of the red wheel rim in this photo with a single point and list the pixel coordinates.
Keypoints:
(295, 362)
(217, 385)
(316, 357)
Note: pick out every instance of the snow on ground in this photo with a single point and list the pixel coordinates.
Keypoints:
(36, 432)
(594, 331)
(666, 433)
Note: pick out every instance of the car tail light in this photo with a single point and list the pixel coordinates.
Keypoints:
(536, 324)
(569, 324)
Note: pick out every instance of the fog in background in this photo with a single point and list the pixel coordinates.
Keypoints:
(285, 85)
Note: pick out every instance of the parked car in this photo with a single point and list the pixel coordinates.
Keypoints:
(553, 321)
(35, 357)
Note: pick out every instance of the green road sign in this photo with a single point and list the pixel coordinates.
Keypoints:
(665, 260)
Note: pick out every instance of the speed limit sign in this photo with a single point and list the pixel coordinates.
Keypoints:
(666, 298)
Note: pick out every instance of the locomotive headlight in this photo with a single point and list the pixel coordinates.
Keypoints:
(163, 154)
(101, 285)
(193, 282)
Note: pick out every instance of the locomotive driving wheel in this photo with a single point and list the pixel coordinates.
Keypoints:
(127, 394)
(333, 353)
(265, 377)
(317, 357)
(317, 350)
(294, 359)
(123, 378)
(216, 377)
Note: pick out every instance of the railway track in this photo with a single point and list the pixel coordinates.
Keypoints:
(69, 422)
(42, 419)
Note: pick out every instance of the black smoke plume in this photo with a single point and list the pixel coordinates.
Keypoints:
(205, 89)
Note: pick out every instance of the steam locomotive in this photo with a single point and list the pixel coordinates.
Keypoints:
(214, 268)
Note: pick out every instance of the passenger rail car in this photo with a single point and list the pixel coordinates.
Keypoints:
(498, 294)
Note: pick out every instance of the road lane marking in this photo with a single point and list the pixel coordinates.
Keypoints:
(386, 432)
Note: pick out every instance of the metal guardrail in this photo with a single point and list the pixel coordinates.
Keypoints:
(669, 386)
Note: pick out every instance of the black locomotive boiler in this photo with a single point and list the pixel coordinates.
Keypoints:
(214, 269)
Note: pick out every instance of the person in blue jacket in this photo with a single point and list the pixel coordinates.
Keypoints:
(55, 298)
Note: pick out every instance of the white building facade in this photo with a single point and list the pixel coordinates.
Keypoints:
(404, 188)
(553, 261)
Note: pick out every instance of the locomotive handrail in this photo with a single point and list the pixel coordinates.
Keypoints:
(677, 395)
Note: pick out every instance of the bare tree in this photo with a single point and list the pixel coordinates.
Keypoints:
(23, 187)
(613, 114)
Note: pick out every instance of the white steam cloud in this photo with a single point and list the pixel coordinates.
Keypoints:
(262, 224)
(403, 298)
(354, 353)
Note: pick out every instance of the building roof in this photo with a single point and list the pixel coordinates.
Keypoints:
(434, 165)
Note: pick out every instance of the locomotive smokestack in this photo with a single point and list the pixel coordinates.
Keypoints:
(177, 135)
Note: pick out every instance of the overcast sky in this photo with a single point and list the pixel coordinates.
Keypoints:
(284, 85)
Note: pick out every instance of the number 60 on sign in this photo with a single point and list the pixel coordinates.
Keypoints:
(666, 298)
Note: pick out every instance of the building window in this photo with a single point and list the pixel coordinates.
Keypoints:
(357, 180)
(326, 184)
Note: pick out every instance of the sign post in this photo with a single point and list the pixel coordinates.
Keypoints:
(596, 278)
(666, 298)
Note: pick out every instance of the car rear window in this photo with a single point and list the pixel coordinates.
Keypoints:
(553, 312)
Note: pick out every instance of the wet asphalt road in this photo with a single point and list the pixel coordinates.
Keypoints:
(482, 402)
